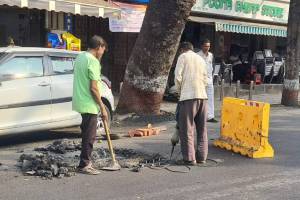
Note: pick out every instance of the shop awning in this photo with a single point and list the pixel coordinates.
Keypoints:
(250, 29)
(244, 27)
(96, 8)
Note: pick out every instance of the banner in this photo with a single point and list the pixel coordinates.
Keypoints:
(132, 17)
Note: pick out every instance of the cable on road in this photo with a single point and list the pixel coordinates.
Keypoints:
(171, 166)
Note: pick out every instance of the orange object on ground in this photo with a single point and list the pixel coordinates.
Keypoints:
(141, 132)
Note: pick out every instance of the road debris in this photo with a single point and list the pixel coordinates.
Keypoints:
(61, 146)
(61, 158)
(20, 151)
(48, 165)
(112, 136)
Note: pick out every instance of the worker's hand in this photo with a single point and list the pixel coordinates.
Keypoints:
(104, 115)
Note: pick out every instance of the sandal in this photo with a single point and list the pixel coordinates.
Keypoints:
(88, 170)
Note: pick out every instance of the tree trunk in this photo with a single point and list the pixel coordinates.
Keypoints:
(149, 64)
(291, 81)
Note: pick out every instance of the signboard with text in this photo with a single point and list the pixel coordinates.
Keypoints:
(132, 17)
(262, 10)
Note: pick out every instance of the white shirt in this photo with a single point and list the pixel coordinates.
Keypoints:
(191, 76)
(209, 65)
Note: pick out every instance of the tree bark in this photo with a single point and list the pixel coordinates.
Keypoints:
(291, 81)
(149, 64)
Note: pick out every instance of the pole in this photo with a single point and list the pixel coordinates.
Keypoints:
(251, 90)
(237, 92)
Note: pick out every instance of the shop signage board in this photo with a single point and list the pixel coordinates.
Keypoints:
(132, 17)
(261, 10)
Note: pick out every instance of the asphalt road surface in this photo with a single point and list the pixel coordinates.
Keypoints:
(237, 178)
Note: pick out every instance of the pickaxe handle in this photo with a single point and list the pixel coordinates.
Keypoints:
(111, 150)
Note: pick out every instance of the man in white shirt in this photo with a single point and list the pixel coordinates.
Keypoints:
(191, 81)
(208, 57)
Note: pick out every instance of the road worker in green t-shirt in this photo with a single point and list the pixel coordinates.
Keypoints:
(87, 98)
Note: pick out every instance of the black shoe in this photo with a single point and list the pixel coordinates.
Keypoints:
(213, 120)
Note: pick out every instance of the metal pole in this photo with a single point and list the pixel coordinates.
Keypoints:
(237, 92)
(251, 90)
(230, 75)
(222, 90)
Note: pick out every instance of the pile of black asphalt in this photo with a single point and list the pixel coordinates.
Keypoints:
(61, 158)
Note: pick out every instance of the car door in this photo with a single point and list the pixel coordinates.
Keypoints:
(62, 87)
(24, 92)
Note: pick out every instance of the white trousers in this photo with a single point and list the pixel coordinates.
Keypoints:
(210, 101)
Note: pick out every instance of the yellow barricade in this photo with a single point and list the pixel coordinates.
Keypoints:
(245, 128)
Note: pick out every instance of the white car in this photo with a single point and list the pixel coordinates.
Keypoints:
(36, 86)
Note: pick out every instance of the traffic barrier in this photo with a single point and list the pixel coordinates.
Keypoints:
(245, 128)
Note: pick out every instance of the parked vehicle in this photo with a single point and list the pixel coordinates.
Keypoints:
(36, 87)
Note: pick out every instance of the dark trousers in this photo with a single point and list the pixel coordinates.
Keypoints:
(193, 115)
(88, 131)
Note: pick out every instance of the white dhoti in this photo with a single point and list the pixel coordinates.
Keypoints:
(210, 101)
(208, 58)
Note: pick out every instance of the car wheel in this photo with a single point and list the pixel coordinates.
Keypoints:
(100, 124)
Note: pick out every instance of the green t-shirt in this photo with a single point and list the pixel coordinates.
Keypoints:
(86, 68)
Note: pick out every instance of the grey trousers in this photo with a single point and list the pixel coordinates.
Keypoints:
(193, 115)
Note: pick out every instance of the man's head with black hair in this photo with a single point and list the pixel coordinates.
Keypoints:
(205, 41)
(97, 45)
(96, 41)
(205, 45)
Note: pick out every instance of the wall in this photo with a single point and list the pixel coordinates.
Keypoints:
(120, 46)
(26, 26)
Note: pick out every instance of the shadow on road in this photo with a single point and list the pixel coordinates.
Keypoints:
(24, 138)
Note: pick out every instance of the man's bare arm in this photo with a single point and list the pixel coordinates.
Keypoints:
(97, 97)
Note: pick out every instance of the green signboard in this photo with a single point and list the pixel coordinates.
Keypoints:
(266, 10)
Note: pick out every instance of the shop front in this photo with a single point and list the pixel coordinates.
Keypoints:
(238, 29)
(66, 24)
(33, 22)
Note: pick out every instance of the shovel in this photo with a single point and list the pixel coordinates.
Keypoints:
(114, 165)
